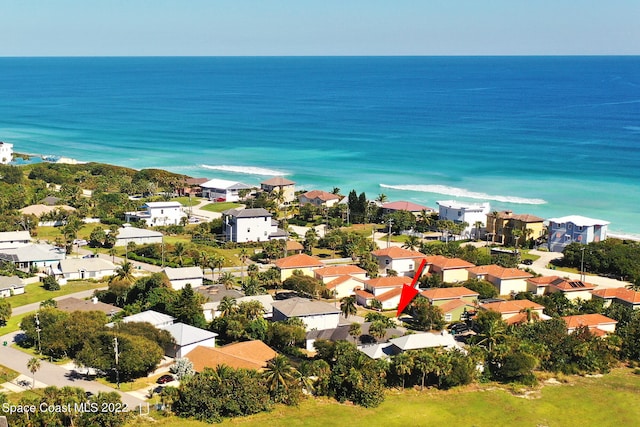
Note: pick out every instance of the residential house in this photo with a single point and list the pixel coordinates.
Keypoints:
(159, 320)
(11, 285)
(210, 308)
(416, 341)
(250, 225)
(40, 210)
(341, 280)
(139, 236)
(192, 187)
(572, 289)
(597, 323)
(280, 184)
(341, 333)
(314, 314)
(158, 214)
(575, 228)
(471, 213)
(414, 208)
(386, 290)
(241, 355)
(294, 247)
(507, 281)
(72, 304)
(222, 190)
(180, 277)
(186, 338)
(33, 256)
(14, 239)
(6, 153)
(449, 270)
(501, 225)
(539, 285)
(302, 262)
(402, 261)
(516, 311)
(318, 198)
(622, 296)
(82, 269)
(454, 302)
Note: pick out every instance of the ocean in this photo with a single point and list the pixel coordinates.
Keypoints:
(549, 136)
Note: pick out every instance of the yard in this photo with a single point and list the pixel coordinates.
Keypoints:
(604, 401)
(35, 292)
(220, 206)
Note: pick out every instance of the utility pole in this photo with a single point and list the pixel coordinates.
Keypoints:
(389, 233)
(582, 264)
(38, 331)
(163, 251)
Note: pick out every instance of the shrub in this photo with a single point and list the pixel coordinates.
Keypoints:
(50, 283)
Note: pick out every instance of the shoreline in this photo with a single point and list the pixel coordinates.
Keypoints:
(616, 234)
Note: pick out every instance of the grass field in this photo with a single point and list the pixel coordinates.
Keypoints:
(607, 401)
(7, 374)
(36, 293)
(12, 325)
(220, 206)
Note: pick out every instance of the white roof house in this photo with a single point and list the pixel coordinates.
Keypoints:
(222, 190)
(314, 314)
(158, 214)
(85, 268)
(11, 285)
(575, 228)
(14, 239)
(139, 236)
(187, 338)
(159, 320)
(6, 153)
(415, 341)
(250, 225)
(33, 255)
(471, 213)
(180, 277)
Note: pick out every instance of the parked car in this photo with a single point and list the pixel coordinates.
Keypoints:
(527, 262)
(165, 379)
(459, 328)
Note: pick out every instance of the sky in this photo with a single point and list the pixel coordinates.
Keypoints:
(318, 27)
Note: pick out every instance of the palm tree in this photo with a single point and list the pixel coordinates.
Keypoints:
(226, 279)
(378, 330)
(279, 377)
(403, 364)
(424, 362)
(243, 257)
(227, 306)
(477, 225)
(382, 198)
(124, 273)
(179, 250)
(348, 306)
(412, 242)
(531, 314)
(516, 234)
(216, 261)
(253, 270)
(33, 365)
(355, 329)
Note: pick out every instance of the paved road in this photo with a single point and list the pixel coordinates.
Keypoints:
(50, 374)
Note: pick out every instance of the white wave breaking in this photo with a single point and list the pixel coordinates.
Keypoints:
(249, 170)
(461, 192)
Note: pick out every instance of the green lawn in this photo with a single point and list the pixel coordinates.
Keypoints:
(187, 201)
(220, 206)
(12, 325)
(607, 401)
(7, 374)
(36, 293)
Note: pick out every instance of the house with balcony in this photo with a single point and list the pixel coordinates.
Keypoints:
(402, 261)
(158, 214)
(222, 190)
(280, 184)
(501, 226)
(506, 280)
(575, 228)
(449, 270)
(318, 198)
(474, 214)
(250, 225)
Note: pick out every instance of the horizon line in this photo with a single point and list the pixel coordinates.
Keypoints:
(336, 56)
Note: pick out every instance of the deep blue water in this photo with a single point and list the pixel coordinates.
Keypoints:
(550, 136)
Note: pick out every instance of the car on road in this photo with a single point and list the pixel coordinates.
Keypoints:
(459, 328)
(165, 379)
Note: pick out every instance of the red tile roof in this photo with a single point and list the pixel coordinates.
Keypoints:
(292, 245)
(444, 263)
(246, 354)
(338, 270)
(500, 272)
(389, 281)
(395, 252)
(588, 320)
(340, 280)
(434, 294)
(389, 294)
(298, 261)
(623, 294)
(512, 306)
(277, 181)
(322, 195)
(363, 294)
(566, 285)
(452, 305)
(406, 206)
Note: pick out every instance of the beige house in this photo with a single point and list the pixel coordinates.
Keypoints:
(180, 277)
(303, 262)
(344, 286)
(622, 296)
(597, 323)
(516, 311)
(450, 270)
(386, 290)
(318, 198)
(506, 280)
(402, 261)
(572, 289)
(501, 225)
(280, 183)
(341, 280)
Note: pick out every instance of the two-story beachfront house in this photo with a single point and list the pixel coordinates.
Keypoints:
(158, 214)
(575, 228)
(250, 225)
(471, 213)
(414, 208)
(280, 184)
(501, 227)
(223, 190)
(318, 198)
(6, 153)
(402, 261)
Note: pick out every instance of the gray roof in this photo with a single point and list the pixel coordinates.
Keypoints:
(379, 351)
(186, 334)
(300, 307)
(13, 236)
(133, 233)
(248, 213)
(183, 273)
(76, 304)
(72, 265)
(278, 233)
(10, 282)
(341, 333)
(32, 253)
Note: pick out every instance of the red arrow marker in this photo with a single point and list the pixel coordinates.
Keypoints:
(410, 292)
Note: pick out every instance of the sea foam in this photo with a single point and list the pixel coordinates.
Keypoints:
(249, 170)
(461, 192)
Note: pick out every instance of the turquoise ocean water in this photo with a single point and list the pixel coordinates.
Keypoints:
(550, 136)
